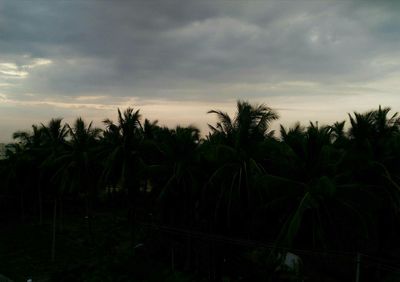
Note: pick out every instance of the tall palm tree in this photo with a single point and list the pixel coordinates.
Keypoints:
(54, 144)
(123, 163)
(179, 168)
(310, 179)
(371, 130)
(386, 126)
(236, 141)
(294, 141)
(237, 148)
(362, 127)
(16, 168)
(376, 158)
(251, 123)
(78, 159)
(150, 129)
(78, 164)
(121, 141)
(373, 137)
(338, 134)
(32, 144)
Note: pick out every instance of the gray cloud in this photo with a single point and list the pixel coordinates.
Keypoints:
(194, 50)
(133, 46)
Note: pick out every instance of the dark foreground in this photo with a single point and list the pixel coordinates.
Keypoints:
(142, 202)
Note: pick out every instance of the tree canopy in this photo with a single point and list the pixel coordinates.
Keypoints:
(324, 187)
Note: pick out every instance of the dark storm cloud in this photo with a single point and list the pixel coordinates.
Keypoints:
(151, 48)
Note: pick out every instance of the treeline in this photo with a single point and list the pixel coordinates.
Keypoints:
(330, 187)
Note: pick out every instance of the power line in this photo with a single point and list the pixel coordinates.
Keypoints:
(380, 262)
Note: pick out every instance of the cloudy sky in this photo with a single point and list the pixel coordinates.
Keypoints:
(310, 60)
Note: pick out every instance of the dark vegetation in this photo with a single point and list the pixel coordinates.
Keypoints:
(141, 202)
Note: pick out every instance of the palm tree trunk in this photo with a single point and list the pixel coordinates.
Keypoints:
(89, 219)
(172, 258)
(40, 202)
(132, 211)
(133, 222)
(53, 244)
(22, 203)
(211, 264)
(61, 215)
(188, 253)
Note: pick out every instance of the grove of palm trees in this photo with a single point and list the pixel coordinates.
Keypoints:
(141, 202)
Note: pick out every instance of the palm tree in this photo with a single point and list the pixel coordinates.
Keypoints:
(54, 144)
(78, 164)
(176, 179)
(237, 147)
(78, 159)
(374, 136)
(251, 123)
(294, 142)
(362, 129)
(237, 141)
(16, 166)
(310, 178)
(32, 142)
(386, 126)
(150, 129)
(338, 133)
(179, 166)
(370, 130)
(123, 164)
(121, 141)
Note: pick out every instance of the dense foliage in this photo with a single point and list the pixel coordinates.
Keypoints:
(325, 188)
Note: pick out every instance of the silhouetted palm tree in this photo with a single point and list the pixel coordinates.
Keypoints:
(180, 166)
(313, 187)
(122, 141)
(371, 160)
(16, 167)
(251, 123)
(339, 134)
(31, 144)
(54, 144)
(236, 153)
(123, 163)
(78, 163)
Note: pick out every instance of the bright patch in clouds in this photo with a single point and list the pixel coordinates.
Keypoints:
(12, 70)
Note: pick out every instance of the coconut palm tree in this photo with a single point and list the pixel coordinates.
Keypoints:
(386, 126)
(78, 164)
(180, 171)
(54, 144)
(123, 163)
(251, 123)
(309, 196)
(32, 144)
(16, 168)
(236, 157)
(374, 139)
(338, 134)
(78, 159)
(233, 153)
(122, 141)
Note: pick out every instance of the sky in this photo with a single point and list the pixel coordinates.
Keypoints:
(175, 60)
